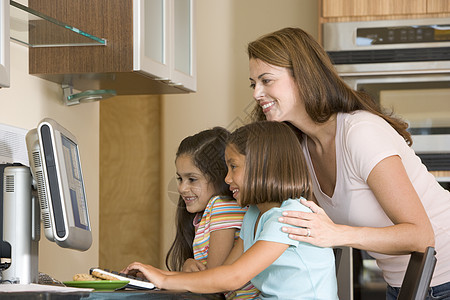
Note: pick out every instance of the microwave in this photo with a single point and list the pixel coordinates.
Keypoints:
(405, 66)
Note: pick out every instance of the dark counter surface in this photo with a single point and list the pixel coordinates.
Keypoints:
(121, 294)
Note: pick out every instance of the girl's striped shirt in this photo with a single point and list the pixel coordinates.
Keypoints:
(220, 213)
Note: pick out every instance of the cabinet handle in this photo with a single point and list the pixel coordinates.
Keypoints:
(174, 83)
(162, 79)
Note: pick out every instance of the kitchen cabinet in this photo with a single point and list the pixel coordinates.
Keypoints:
(164, 41)
(130, 181)
(345, 8)
(150, 46)
(360, 10)
(438, 6)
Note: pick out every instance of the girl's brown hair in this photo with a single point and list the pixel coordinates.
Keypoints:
(320, 87)
(207, 150)
(275, 168)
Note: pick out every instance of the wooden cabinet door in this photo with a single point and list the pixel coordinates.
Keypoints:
(129, 214)
(347, 8)
(438, 6)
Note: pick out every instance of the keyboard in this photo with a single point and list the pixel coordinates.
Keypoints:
(134, 282)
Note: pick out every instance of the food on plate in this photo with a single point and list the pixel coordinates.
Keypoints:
(103, 276)
(85, 277)
(95, 276)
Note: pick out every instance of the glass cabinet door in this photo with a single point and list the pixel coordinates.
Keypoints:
(4, 43)
(164, 41)
(183, 72)
(182, 36)
(151, 49)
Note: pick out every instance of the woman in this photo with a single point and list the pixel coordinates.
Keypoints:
(370, 190)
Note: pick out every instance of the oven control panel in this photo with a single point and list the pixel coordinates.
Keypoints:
(402, 34)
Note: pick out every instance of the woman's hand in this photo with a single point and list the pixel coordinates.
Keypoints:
(151, 273)
(192, 265)
(315, 228)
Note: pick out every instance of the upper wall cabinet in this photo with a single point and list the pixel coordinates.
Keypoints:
(150, 46)
(350, 10)
(438, 6)
(163, 41)
(346, 8)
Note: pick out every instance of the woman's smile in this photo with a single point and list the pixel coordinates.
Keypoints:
(266, 106)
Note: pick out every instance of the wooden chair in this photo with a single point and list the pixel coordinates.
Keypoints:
(418, 275)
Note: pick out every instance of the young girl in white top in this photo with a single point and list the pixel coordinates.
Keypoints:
(267, 172)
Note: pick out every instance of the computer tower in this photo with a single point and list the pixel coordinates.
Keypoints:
(21, 231)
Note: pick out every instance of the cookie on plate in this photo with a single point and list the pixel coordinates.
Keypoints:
(103, 276)
(85, 277)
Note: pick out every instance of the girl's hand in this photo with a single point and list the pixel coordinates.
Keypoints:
(315, 228)
(152, 274)
(192, 265)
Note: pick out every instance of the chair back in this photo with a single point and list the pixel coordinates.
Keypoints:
(337, 257)
(418, 275)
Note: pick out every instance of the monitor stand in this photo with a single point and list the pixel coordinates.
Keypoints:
(21, 231)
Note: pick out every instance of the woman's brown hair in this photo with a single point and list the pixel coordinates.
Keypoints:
(320, 87)
(275, 168)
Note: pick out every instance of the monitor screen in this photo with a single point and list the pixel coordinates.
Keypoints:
(56, 167)
(75, 183)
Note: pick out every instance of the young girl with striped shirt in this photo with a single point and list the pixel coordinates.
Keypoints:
(208, 219)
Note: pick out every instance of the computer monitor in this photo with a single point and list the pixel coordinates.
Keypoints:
(55, 165)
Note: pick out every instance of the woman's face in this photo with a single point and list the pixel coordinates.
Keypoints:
(275, 91)
(193, 186)
(236, 170)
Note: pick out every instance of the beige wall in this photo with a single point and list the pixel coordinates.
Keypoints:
(24, 104)
(223, 28)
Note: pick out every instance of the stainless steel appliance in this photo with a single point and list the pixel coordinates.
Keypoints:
(405, 65)
(21, 230)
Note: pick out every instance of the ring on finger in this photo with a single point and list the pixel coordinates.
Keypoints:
(308, 232)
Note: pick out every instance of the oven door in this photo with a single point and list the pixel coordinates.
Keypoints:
(423, 100)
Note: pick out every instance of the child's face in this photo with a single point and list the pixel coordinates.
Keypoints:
(193, 186)
(236, 170)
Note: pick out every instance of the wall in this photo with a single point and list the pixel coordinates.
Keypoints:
(24, 104)
(223, 30)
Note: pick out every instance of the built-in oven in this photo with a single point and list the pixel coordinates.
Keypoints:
(404, 65)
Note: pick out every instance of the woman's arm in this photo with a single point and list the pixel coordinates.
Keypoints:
(412, 230)
(223, 278)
